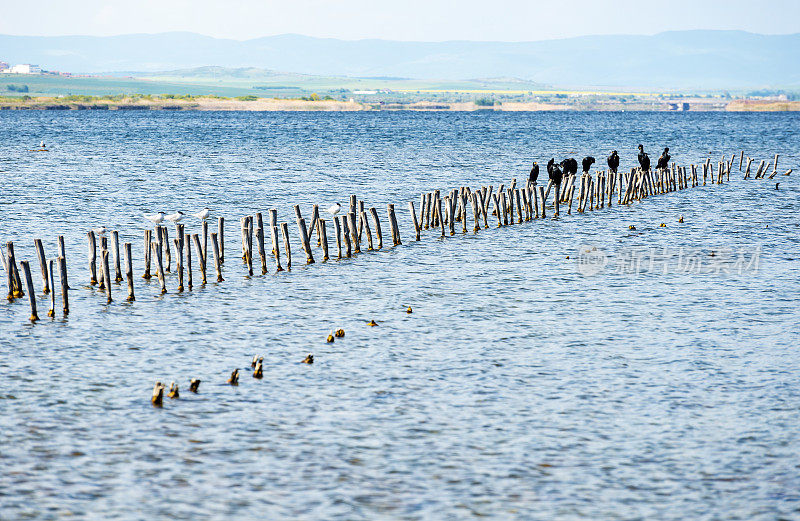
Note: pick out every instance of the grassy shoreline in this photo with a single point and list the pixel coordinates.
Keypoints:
(251, 103)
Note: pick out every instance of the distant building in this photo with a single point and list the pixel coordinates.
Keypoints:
(4, 66)
(25, 68)
(365, 92)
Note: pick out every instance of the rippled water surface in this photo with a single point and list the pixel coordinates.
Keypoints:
(520, 388)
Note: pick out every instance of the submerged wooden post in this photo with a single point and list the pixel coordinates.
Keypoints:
(102, 279)
(201, 261)
(62, 270)
(262, 253)
(107, 275)
(165, 249)
(26, 269)
(337, 229)
(221, 238)
(52, 311)
(474, 202)
(286, 245)
(395, 229)
(741, 158)
(276, 250)
(543, 202)
(323, 236)
(448, 207)
(365, 228)
(428, 207)
(301, 224)
(43, 263)
(414, 218)
(437, 210)
(187, 246)
(117, 265)
(156, 246)
(360, 221)
(205, 245)
(378, 232)
(215, 251)
(148, 239)
(92, 258)
(351, 225)
(315, 224)
(346, 237)
(179, 261)
(129, 270)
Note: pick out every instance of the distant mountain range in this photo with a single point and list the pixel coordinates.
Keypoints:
(696, 60)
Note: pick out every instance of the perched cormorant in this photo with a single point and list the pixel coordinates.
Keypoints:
(570, 166)
(663, 161)
(644, 159)
(534, 175)
(554, 172)
(613, 161)
(587, 163)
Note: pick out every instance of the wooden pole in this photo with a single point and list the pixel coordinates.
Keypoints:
(741, 158)
(187, 246)
(274, 232)
(421, 220)
(378, 232)
(62, 269)
(315, 224)
(448, 204)
(337, 228)
(103, 248)
(474, 202)
(52, 311)
(394, 227)
(351, 222)
(286, 245)
(129, 270)
(159, 266)
(215, 251)
(365, 228)
(414, 218)
(301, 224)
(31, 290)
(262, 253)
(543, 201)
(92, 258)
(205, 246)
(360, 221)
(117, 261)
(556, 198)
(148, 239)
(43, 263)
(107, 275)
(166, 250)
(428, 206)
(201, 261)
(221, 239)
(323, 233)
(346, 237)
(179, 262)
(463, 199)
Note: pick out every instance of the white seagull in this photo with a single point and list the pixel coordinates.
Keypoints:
(174, 217)
(155, 218)
(100, 231)
(203, 214)
(333, 210)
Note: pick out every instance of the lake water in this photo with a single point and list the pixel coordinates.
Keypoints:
(663, 384)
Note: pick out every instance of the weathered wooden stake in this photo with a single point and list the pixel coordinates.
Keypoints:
(337, 229)
(43, 263)
(301, 225)
(129, 270)
(201, 261)
(148, 239)
(187, 246)
(92, 258)
(31, 290)
(107, 275)
(52, 311)
(166, 250)
(156, 246)
(543, 201)
(394, 227)
(346, 237)
(117, 266)
(286, 245)
(741, 158)
(262, 253)
(179, 261)
(62, 270)
(205, 245)
(215, 251)
(351, 225)
(378, 232)
(102, 278)
(221, 239)
(323, 233)
(365, 228)
(414, 218)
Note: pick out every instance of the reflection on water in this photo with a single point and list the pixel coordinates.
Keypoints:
(520, 387)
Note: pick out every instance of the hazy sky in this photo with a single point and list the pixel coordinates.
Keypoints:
(428, 20)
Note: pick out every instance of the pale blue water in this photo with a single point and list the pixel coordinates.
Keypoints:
(518, 389)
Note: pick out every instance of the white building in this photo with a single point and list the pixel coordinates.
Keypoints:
(25, 68)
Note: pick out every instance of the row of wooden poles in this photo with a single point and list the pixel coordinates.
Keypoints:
(510, 205)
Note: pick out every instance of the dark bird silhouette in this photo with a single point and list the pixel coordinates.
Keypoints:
(554, 172)
(587, 163)
(613, 161)
(194, 385)
(644, 159)
(534, 175)
(308, 359)
(569, 166)
(663, 161)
